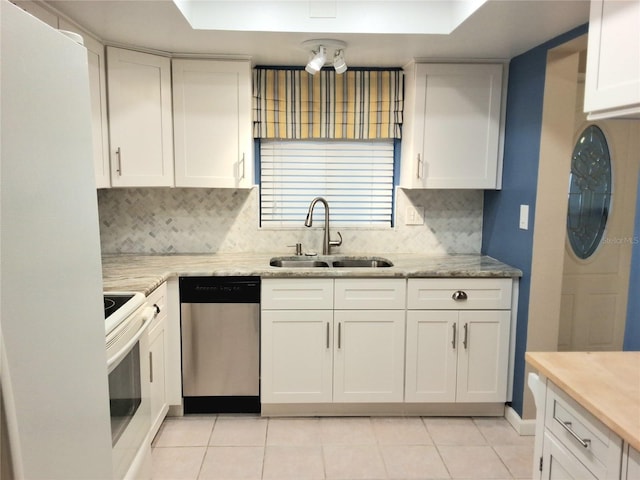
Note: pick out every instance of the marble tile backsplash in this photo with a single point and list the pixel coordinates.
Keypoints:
(194, 220)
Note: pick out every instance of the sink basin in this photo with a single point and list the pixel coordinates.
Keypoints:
(362, 263)
(328, 261)
(297, 263)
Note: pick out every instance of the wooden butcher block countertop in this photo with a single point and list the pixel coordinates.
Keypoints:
(607, 384)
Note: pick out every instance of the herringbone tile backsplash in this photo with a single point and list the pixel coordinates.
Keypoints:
(198, 220)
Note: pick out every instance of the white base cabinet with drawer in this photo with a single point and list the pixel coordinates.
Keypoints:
(574, 444)
(312, 353)
(455, 351)
(385, 346)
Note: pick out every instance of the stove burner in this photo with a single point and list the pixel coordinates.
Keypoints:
(114, 302)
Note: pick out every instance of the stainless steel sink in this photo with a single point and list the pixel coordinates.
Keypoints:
(362, 263)
(297, 263)
(330, 261)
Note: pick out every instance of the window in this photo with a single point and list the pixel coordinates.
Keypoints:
(590, 191)
(355, 177)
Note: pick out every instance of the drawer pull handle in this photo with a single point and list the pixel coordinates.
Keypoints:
(459, 296)
(585, 442)
(339, 335)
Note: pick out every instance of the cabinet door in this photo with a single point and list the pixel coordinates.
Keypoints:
(559, 464)
(159, 406)
(431, 356)
(456, 127)
(483, 355)
(212, 123)
(612, 82)
(98, 97)
(140, 125)
(633, 464)
(297, 359)
(368, 356)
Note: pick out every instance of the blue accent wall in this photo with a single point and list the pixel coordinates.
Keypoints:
(632, 329)
(501, 235)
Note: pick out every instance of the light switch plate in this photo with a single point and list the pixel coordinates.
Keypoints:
(524, 217)
(414, 215)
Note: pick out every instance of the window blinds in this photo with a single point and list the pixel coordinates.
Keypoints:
(355, 177)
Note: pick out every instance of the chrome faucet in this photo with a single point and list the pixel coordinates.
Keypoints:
(327, 243)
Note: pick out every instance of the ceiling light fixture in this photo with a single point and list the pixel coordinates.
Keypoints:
(338, 62)
(317, 60)
(318, 55)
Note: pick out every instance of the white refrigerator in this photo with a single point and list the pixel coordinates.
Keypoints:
(54, 374)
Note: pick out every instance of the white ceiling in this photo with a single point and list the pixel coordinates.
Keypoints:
(499, 29)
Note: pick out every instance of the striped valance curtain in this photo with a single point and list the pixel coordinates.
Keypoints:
(358, 104)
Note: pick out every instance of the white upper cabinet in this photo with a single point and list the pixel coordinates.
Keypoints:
(140, 126)
(612, 84)
(212, 123)
(98, 93)
(451, 134)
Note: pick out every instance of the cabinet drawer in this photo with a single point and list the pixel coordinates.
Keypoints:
(370, 294)
(459, 293)
(297, 294)
(597, 447)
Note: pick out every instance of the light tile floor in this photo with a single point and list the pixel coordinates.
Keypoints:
(223, 447)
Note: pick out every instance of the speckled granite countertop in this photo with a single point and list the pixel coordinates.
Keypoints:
(144, 273)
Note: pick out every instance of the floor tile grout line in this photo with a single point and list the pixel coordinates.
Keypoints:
(371, 423)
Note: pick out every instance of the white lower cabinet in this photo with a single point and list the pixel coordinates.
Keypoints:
(157, 357)
(455, 351)
(559, 464)
(631, 464)
(375, 341)
(322, 355)
(457, 356)
(575, 444)
(368, 356)
(297, 356)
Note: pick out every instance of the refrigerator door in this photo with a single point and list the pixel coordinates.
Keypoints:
(51, 299)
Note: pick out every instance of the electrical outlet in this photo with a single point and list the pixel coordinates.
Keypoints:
(414, 215)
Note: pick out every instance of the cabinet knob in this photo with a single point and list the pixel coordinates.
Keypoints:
(459, 296)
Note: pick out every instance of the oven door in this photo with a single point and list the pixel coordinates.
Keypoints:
(129, 387)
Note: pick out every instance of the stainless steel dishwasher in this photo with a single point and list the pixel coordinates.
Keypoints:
(220, 330)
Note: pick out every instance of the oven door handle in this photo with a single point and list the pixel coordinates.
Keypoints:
(147, 314)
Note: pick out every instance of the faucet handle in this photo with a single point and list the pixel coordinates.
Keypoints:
(336, 243)
(298, 248)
